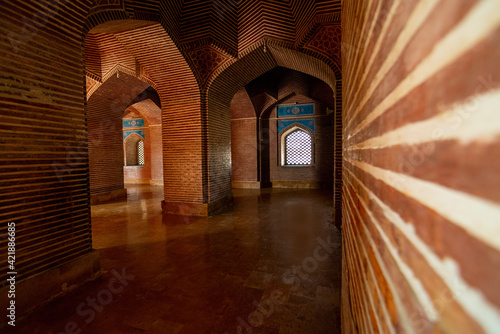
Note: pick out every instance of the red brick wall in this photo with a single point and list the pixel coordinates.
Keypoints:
(43, 136)
(421, 160)
(156, 154)
(244, 154)
(244, 150)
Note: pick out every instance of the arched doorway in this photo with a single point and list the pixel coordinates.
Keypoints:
(231, 79)
(142, 126)
(263, 112)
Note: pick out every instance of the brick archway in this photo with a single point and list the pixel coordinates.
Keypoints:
(104, 120)
(161, 64)
(231, 79)
(130, 148)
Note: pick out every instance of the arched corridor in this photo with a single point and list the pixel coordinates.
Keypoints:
(208, 144)
(262, 111)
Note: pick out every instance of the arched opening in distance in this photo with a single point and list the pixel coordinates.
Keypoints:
(263, 112)
(229, 83)
(127, 48)
(115, 83)
(142, 119)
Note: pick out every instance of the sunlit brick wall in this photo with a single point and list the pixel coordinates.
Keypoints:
(421, 199)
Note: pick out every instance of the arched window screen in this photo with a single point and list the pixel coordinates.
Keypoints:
(140, 153)
(134, 151)
(298, 148)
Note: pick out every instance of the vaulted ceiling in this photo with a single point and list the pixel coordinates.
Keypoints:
(234, 25)
(210, 34)
(276, 86)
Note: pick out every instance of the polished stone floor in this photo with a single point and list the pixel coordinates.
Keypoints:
(269, 264)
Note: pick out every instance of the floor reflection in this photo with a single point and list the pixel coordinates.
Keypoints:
(269, 264)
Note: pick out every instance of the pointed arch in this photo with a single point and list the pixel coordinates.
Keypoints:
(160, 60)
(132, 145)
(231, 78)
(284, 143)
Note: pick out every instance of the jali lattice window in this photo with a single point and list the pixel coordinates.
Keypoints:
(298, 148)
(140, 153)
(134, 151)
